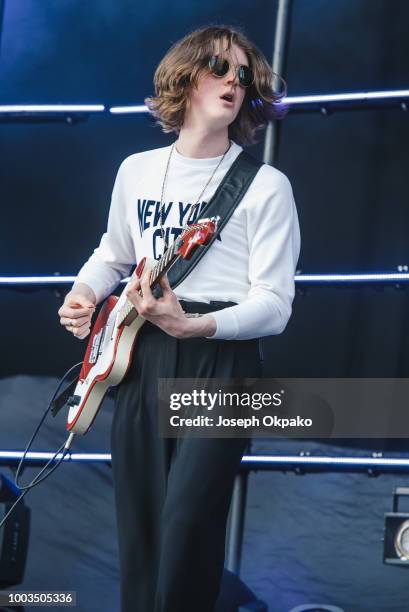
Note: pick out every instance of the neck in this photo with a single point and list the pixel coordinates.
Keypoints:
(200, 144)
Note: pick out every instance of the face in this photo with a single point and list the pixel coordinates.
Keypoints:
(206, 105)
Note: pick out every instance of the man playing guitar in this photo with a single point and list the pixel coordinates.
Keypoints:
(214, 90)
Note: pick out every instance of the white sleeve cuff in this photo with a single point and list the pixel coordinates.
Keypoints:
(226, 324)
(101, 290)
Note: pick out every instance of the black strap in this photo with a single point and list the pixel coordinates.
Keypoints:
(62, 398)
(226, 198)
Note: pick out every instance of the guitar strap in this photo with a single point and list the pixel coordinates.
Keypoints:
(224, 201)
(222, 204)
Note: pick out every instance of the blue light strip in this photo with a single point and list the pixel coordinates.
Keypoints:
(364, 96)
(34, 456)
(123, 110)
(255, 461)
(323, 460)
(354, 278)
(348, 97)
(51, 108)
(299, 278)
(36, 280)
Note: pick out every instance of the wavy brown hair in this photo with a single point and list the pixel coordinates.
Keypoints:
(187, 59)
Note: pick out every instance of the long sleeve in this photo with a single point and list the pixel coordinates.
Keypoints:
(274, 245)
(113, 259)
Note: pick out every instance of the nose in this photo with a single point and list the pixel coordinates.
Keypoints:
(232, 75)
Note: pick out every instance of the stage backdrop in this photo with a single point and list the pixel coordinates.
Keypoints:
(308, 538)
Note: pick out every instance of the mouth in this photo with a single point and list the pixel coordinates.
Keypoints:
(228, 99)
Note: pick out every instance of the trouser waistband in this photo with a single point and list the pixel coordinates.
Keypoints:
(204, 307)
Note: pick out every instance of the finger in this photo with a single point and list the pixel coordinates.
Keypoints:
(78, 300)
(78, 322)
(80, 327)
(133, 289)
(78, 331)
(82, 331)
(133, 296)
(146, 289)
(72, 330)
(135, 282)
(165, 285)
(83, 336)
(66, 322)
(75, 313)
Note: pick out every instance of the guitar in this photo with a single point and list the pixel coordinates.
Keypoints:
(113, 336)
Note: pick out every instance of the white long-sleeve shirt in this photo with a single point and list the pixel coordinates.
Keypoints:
(252, 262)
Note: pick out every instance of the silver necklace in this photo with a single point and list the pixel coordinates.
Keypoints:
(193, 208)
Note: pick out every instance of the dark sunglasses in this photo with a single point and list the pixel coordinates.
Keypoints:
(220, 66)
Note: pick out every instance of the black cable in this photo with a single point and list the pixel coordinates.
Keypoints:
(64, 448)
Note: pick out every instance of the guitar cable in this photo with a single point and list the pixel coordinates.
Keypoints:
(64, 448)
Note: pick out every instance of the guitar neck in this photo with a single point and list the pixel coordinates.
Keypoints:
(128, 312)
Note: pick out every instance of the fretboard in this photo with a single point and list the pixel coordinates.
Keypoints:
(166, 261)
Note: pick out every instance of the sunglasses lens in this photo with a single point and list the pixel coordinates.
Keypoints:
(218, 65)
(245, 76)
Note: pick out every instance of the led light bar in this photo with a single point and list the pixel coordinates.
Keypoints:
(347, 97)
(299, 278)
(323, 460)
(36, 280)
(33, 456)
(352, 278)
(120, 110)
(248, 460)
(51, 108)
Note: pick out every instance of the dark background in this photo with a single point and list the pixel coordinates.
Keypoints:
(349, 175)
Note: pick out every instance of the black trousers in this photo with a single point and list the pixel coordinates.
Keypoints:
(173, 495)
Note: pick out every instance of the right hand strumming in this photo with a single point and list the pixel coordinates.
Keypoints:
(76, 313)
